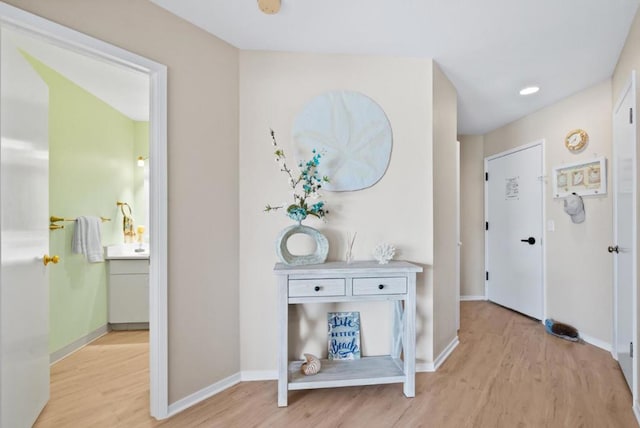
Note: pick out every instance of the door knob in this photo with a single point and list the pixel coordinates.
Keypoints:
(50, 259)
(613, 249)
(531, 240)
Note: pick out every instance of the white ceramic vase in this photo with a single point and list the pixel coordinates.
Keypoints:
(317, 257)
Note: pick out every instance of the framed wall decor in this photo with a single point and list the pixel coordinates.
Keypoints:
(576, 140)
(584, 178)
(353, 134)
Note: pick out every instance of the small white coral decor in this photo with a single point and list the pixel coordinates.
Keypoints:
(383, 253)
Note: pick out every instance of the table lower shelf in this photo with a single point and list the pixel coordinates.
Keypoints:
(336, 373)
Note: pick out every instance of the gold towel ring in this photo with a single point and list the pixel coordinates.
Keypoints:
(122, 205)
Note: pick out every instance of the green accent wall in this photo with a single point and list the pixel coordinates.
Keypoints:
(92, 164)
(141, 176)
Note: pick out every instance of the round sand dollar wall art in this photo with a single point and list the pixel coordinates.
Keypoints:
(353, 134)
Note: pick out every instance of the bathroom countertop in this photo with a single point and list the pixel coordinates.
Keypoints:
(126, 252)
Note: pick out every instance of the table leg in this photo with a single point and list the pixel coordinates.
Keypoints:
(283, 370)
(409, 340)
(396, 329)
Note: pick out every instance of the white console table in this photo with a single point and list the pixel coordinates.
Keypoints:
(354, 282)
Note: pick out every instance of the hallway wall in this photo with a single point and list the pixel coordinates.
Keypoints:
(579, 270)
(472, 216)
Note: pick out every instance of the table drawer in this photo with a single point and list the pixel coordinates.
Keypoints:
(316, 287)
(375, 286)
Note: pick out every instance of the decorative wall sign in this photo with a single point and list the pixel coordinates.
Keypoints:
(512, 188)
(576, 140)
(353, 134)
(582, 178)
(343, 335)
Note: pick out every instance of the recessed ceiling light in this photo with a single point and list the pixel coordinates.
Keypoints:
(529, 90)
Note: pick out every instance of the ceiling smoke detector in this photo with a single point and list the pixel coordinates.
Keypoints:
(270, 7)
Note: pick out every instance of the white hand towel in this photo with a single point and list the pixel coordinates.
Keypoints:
(87, 238)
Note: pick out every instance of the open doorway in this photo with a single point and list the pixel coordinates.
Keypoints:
(98, 123)
(63, 38)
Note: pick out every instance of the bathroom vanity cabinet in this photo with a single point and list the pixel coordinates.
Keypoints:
(359, 282)
(128, 291)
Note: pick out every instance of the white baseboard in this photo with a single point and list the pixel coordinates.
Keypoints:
(257, 375)
(261, 375)
(203, 394)
(596, 342)
(432, 367)
(471, 298)
(76, 345)
(636, 411)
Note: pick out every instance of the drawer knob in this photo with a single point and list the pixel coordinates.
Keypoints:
(380, 287)
(317, 288)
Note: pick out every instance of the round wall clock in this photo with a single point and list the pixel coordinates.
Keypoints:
(576, 140)
(352, 133)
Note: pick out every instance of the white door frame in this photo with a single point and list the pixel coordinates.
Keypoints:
(458, 237)
(540, 143)
(629, 87)
(86, 45)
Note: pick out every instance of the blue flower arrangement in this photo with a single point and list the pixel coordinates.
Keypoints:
(305, 186)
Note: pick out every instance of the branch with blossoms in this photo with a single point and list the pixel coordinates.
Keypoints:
(305, 186)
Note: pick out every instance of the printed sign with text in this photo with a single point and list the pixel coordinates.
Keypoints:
(344, 335)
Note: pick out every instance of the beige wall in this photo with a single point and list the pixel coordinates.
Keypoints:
(203, 176)
(472, 219)
(630, 60)
(398, 209)
(445, 124)
(579, 270)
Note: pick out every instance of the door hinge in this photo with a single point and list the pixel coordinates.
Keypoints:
(486, 176)
(486, 225)
(631, 115)
(631, 349)
(486, 275)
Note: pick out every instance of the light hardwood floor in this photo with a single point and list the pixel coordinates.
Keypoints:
(506, 372)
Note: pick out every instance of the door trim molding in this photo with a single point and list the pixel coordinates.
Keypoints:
(79, 42)
(543, 217)
(458, 236)
(629, 88)
(515, 150)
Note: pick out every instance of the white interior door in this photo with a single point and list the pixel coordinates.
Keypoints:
(24, 237)
(513, 204)
(624, 233)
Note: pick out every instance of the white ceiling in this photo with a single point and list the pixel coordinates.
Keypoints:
(124, 89)
(489, 49)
